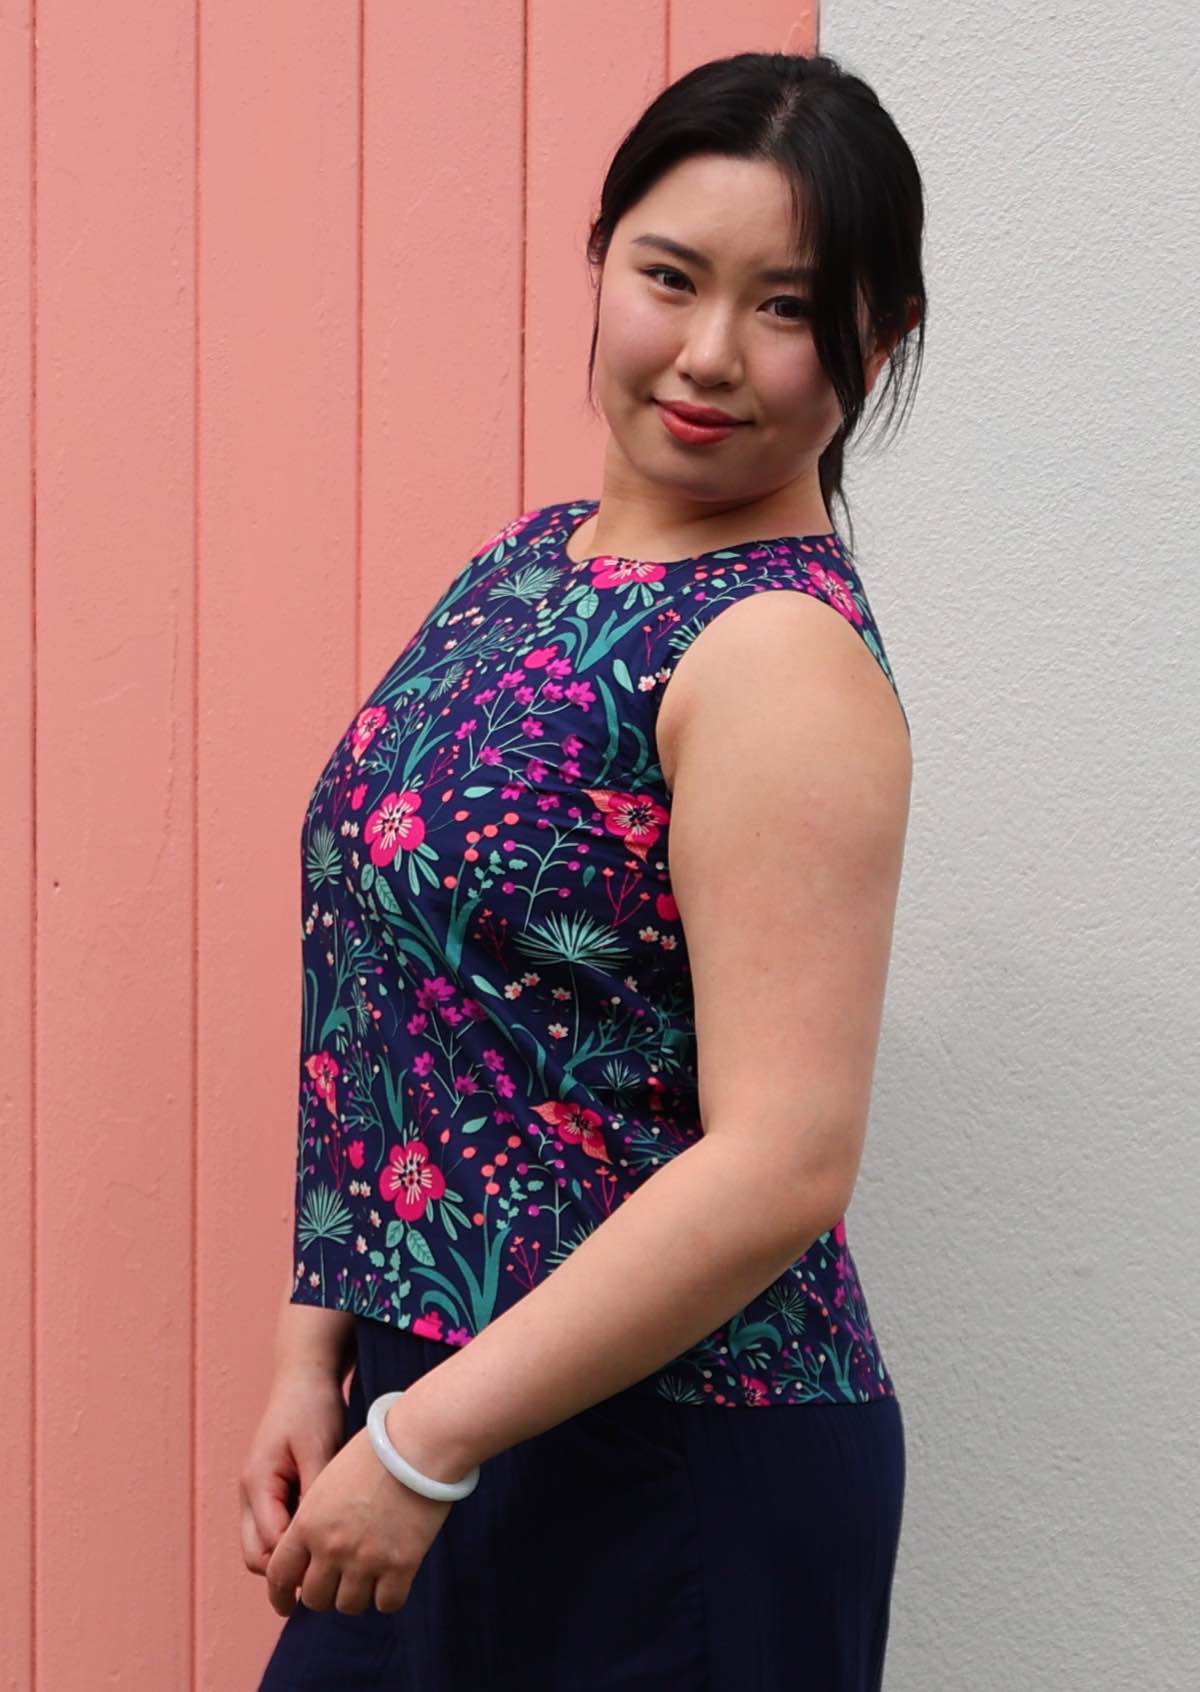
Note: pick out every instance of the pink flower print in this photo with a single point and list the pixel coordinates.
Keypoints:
(611, 572)
(429, 1326)
(411, 1181)
(581, 693)
(357, 794)
(356, 1152)
(541, 657)
(577, 1124)
(392, 825)
(636, 817)
(324, 1070)
(838, 589)
(366, 726)
(839, 1233)
(435, 989)
(755, 1389)
(665, 908)
(510, 531)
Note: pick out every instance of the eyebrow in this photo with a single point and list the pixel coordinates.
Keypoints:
(773, 273)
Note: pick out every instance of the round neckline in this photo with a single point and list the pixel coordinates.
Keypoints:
(824, 536)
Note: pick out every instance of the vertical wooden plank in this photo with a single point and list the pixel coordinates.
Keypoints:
(279, 176)
(442, 300)
(17, 1004)
(709, 29)
(114, 898)
(590, 78)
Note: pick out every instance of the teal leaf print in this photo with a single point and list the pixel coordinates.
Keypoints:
(323, 860)
(383, 892)
(323, 1216)
(339, 1019)
(529, 584)
(419, 1247)
(571, 937)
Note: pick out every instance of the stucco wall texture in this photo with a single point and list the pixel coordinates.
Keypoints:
(1028, 1207)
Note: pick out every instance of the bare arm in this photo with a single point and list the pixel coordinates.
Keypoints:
(309, 1337)
(789, 811)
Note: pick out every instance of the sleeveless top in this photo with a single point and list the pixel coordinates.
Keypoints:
(497, 1039)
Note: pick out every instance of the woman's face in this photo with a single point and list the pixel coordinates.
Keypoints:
(713, 330)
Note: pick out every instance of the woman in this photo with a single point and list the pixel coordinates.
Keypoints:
(572, 873)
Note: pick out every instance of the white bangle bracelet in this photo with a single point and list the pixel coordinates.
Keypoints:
(446, 1492)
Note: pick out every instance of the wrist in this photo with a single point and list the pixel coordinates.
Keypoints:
(424, 1439)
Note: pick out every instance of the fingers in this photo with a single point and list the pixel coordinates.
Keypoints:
(353, 1595)
(254, 1552)
(391, 1593)
(287, 1568)
(265, 1518)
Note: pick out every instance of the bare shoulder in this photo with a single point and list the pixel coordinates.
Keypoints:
(773, 654)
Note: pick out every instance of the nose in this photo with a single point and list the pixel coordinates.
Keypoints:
(710, 356)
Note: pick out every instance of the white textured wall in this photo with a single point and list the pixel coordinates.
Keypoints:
(1026, 1219)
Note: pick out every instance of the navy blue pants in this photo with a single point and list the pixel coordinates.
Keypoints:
(641, 1545)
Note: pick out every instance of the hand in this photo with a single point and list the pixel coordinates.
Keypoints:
(359, 1535)
(301, 1429)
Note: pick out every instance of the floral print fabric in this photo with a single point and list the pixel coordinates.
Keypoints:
(497, 1041)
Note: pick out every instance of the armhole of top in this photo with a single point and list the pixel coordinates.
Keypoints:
(873, 645)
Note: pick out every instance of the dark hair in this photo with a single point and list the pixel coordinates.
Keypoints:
(856, 192)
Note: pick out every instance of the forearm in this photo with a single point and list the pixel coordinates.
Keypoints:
(701, 1238)
(308, 1336)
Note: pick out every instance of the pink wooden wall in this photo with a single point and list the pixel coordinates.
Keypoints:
(293, 313)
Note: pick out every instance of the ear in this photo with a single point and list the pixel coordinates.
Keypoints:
(883, 350)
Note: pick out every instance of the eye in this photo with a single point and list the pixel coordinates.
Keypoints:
(665, 270)
(803, 308)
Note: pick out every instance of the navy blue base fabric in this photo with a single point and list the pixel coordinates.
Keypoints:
(640, 1545)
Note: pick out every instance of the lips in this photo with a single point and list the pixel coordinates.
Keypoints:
(701, 414)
